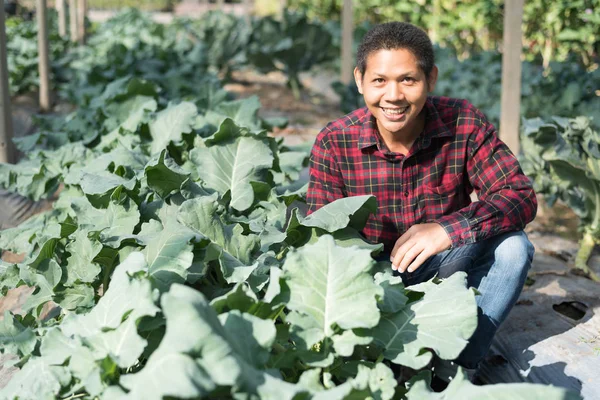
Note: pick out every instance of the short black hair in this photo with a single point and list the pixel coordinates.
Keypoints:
(397, 35)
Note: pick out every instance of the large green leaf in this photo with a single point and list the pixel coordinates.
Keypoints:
(45, 281)
(36, 381)
(331, 286)
(228, 353)
(349, 211)
(125, 297)
(232, 166)
(235, 249)
(78, 297)
(123, 344)
(163, 175)
(56, 348)
(80, 265)
(241, 297)
(442, 320)
(244, 112)
(169, 253)
(171, 123)
(461, 388)
(14, 337)
(103, 182)
(115, 223)
(130, 113)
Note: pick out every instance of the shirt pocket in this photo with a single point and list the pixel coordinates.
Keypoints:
(442, 199)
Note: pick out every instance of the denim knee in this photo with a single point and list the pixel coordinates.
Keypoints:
(514, 251)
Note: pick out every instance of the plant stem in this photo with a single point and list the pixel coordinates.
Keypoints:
(588, 241)
(74, 396)
(586, 245)
(295, 85)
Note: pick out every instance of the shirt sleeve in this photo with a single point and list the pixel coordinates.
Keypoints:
(506, 199)
(325, 180)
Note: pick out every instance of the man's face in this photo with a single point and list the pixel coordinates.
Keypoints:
(395, 90)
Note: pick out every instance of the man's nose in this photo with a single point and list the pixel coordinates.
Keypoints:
(394, 92)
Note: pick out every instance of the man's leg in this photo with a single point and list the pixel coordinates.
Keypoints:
(497, 267)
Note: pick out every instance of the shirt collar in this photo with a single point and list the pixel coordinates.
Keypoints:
(369, 136)
(434, 127)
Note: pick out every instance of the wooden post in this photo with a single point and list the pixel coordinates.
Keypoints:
(248, 10)
(510, 106)
(61, 9)
(81, 13)
(282, 8)
(44, 62)
(7, 149)
(73, 20)
(347, 32)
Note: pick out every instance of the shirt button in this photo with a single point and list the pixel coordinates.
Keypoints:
(405, 194)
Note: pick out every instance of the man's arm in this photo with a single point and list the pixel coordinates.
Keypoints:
(506, 202)
(506, 199)
(325, 183)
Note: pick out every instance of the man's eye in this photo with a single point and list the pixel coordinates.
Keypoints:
(378, 80)
(408, 79)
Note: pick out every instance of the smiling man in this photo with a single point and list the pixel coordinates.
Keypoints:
(422, 156)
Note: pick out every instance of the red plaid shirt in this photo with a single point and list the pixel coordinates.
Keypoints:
(458, 152)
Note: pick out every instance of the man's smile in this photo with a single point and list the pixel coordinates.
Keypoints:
(395, 113)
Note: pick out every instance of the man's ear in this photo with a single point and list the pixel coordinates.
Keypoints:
(432, 79)
(358, 79)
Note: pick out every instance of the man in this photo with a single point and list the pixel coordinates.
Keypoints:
(422, 156)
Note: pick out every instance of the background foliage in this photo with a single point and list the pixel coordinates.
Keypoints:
(553, 30)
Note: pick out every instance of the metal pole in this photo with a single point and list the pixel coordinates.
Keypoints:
(510, 106)
(347, 28)
(61, 8)
(44, 62)
(73, 20)
(7, 149)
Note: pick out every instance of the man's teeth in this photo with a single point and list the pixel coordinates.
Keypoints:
(395, 111)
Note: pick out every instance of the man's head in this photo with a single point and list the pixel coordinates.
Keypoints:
(395, 72)
(397, 35)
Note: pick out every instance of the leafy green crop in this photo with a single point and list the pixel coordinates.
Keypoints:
(292, 45)
(563, 159)
(226, 38)
(22, 52)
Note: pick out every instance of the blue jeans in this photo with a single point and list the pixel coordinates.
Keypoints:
(497, 267)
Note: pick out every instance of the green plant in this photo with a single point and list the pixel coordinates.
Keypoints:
(563, 159)
(553, 30)
(292, 45)
(226, 38)
(22, 53)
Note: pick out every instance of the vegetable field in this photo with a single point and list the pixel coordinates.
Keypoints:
(177, 260)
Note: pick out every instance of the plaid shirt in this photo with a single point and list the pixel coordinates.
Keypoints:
(458, 152)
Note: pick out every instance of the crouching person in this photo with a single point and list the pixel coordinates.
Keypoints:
(422, 156)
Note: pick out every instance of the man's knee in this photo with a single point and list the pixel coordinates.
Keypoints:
(515, 251)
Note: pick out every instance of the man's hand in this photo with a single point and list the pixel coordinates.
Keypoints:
(418, 243)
